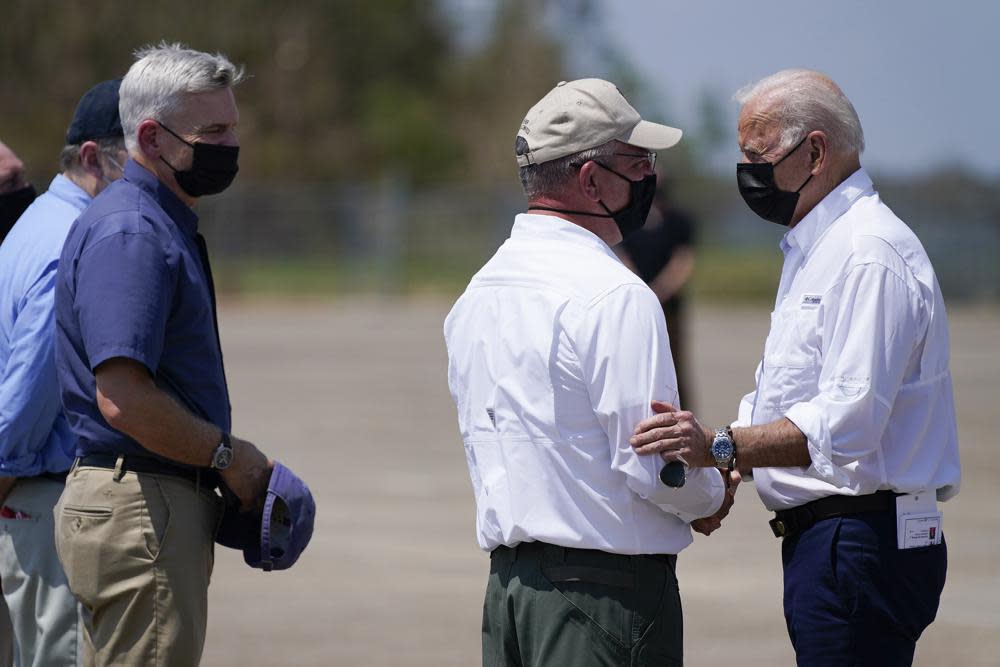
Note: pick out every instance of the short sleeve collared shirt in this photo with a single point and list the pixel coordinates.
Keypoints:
(554, 353)
(132, 284)
(857, 357)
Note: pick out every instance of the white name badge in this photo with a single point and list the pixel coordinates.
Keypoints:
(918, 523)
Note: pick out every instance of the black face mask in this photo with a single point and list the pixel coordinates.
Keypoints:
(631, 217)
(12, 205)
(213, 167)
(756, 183)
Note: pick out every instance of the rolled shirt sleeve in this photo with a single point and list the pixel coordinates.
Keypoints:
(626, 363)
(123, 296)
(870, 341)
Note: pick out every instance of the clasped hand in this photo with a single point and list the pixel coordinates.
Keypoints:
(677, 435)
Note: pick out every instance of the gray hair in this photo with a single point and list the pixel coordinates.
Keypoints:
(549, 178)
(69, 157)
(804, 100)
(160, 79)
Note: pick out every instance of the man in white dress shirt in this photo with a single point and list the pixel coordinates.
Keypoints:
(850, 433)
(555, 351)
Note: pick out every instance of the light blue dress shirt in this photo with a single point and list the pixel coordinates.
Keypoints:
(34, 435)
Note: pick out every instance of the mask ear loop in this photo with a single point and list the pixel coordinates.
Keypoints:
(775, 164)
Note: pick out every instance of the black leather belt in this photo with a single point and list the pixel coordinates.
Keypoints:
(531, 547)
(790, 522)
(205, 477)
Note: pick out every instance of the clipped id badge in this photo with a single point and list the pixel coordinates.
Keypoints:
(918, 521)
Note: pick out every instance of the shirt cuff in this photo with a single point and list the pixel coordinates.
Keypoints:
(701, 495)
(809, 419)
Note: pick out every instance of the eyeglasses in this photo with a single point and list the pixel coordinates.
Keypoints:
(650, 157)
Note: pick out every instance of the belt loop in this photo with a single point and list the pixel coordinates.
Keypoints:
(119, 468)
(72, 468)
(554, 552)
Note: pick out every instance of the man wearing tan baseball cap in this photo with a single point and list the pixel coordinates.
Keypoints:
(555, 351)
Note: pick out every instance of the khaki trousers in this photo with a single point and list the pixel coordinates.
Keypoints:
(47, 627)
(138, 551)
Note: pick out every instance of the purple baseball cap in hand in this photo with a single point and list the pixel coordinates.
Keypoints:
(274, 538)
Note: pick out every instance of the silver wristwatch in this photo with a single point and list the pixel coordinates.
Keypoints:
(724, 449)
(222, 457)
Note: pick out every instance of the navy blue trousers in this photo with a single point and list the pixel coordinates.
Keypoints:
(852, 598)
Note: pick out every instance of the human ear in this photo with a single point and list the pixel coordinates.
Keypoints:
(587, 178)
(148, 136)
(88, 157)
(818, 152)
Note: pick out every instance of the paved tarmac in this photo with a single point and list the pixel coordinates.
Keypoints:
(352, 394)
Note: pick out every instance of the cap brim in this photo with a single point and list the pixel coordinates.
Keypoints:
(652, 136)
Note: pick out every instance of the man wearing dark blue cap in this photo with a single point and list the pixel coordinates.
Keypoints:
(36, 445)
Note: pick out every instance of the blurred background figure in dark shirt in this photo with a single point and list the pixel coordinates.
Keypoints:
(15, 191)
(662, 254)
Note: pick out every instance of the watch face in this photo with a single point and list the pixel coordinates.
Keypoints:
(722, 448)
(223, 457)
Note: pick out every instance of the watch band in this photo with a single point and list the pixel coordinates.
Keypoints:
(732, 439)
(729, 464)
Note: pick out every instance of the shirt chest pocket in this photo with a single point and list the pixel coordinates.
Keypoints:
(793, 356)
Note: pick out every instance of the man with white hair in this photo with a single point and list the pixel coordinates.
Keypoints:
(554, 353)
(141, 373)
(850, 433)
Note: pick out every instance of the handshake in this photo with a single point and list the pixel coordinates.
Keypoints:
(677, 436)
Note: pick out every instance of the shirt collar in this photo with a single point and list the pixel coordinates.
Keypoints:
(815, 224)
(549, 227)
(65, 189)
(179, 212)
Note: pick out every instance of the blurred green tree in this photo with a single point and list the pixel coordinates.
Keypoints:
(339, 90)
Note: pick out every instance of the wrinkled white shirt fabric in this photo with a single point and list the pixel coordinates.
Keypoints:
(554, 353)
(857, 357)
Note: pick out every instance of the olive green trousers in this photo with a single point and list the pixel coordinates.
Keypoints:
(549, 606)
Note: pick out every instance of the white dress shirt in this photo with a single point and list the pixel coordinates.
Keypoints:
(857, 357)
(554, 353)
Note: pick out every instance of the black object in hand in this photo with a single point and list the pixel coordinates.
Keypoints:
(673, 474)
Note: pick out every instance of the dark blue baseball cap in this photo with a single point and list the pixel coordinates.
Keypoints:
(96, 115)
(274, 538)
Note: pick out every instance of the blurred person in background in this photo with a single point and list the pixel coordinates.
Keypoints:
(36, 445)
(850, 433)
(554, 353)
(16, 194)
(662, 254)
(141, 372)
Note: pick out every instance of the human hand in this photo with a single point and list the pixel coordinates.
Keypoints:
(675, 436)
(249, 474)
(709, 524)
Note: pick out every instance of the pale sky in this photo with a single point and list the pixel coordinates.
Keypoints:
(922, 74)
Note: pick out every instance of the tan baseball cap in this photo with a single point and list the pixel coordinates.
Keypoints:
(586, 113)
